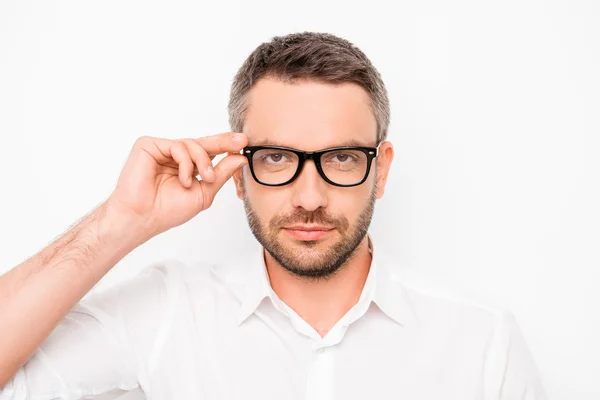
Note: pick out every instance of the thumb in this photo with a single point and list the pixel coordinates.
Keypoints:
(223, 171)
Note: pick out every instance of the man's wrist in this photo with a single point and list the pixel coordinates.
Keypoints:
(119, 228)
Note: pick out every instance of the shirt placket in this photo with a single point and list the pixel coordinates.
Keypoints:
(319, 384)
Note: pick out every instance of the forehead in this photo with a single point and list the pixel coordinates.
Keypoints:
(309, 115)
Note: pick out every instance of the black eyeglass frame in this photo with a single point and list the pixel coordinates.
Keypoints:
(370, 152)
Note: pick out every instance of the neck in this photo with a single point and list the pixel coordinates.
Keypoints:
(321, 303)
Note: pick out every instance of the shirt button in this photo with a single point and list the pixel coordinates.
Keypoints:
(321, 350)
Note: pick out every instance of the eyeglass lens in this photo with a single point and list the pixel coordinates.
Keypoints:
(276, 166)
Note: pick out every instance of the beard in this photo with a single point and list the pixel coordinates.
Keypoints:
(307, 259)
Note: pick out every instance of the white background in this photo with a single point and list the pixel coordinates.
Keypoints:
(495, 184)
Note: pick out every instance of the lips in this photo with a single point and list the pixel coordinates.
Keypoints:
(308, 228)
(308, 232)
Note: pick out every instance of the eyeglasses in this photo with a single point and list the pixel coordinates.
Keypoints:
(339, 166)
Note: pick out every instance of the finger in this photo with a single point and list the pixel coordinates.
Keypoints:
(223, 171)
(166, 169)
(201, 158)
(223, 142)
(179, 153)
(159, 148)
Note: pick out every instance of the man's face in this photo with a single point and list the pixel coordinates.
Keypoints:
(311, 116)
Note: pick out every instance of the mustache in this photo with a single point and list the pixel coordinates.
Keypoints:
(301, 216)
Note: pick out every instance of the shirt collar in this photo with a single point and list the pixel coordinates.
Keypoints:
(382, 287)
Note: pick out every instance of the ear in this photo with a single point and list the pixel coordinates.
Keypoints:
(237, 179)
(384, 162)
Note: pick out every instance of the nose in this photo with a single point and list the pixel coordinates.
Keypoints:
(309, 189)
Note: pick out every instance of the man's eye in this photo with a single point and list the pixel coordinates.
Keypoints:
(274, 158)
(342, 158)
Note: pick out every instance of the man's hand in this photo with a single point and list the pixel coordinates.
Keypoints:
(158, 183)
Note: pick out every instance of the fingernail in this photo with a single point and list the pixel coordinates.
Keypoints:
(238, 136)
(209, 170)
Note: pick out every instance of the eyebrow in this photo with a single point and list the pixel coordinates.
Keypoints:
(351, 142)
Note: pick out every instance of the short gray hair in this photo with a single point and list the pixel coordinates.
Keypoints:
(320, 57)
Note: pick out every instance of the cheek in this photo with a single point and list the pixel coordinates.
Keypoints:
(266, 202)
(351, 201)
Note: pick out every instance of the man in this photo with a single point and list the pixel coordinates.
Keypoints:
(317, 313)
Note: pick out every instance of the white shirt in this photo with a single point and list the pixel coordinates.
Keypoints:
(221, 332)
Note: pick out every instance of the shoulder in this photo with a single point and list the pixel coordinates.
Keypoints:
(171, 271)
(437, 303)
(196, 278)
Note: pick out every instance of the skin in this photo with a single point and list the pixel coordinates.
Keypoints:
(320, 280)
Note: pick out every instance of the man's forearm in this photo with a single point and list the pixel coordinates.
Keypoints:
(37, 294)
